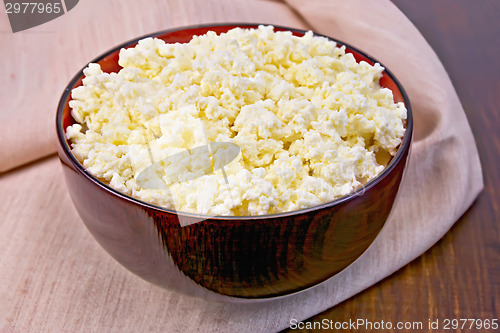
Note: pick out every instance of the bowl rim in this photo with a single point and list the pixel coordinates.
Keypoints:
(403, 147)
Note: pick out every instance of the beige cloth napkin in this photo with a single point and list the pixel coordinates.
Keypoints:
(53, 275)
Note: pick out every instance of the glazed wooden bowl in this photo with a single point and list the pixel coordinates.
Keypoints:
(231, 258)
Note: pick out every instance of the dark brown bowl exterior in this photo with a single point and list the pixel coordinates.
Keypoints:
(227, 258)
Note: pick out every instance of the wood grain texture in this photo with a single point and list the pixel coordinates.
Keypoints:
(460, 276)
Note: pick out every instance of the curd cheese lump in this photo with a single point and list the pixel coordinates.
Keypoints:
(311, 124)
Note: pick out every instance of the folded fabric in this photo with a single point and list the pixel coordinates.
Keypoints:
(53, 275)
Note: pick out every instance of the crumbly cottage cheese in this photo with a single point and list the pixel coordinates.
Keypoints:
(311, 123)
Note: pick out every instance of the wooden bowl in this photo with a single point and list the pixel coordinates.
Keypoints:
(231, 258)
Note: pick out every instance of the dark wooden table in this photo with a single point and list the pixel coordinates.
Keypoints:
(458, 278)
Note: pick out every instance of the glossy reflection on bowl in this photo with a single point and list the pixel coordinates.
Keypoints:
(231, 258)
